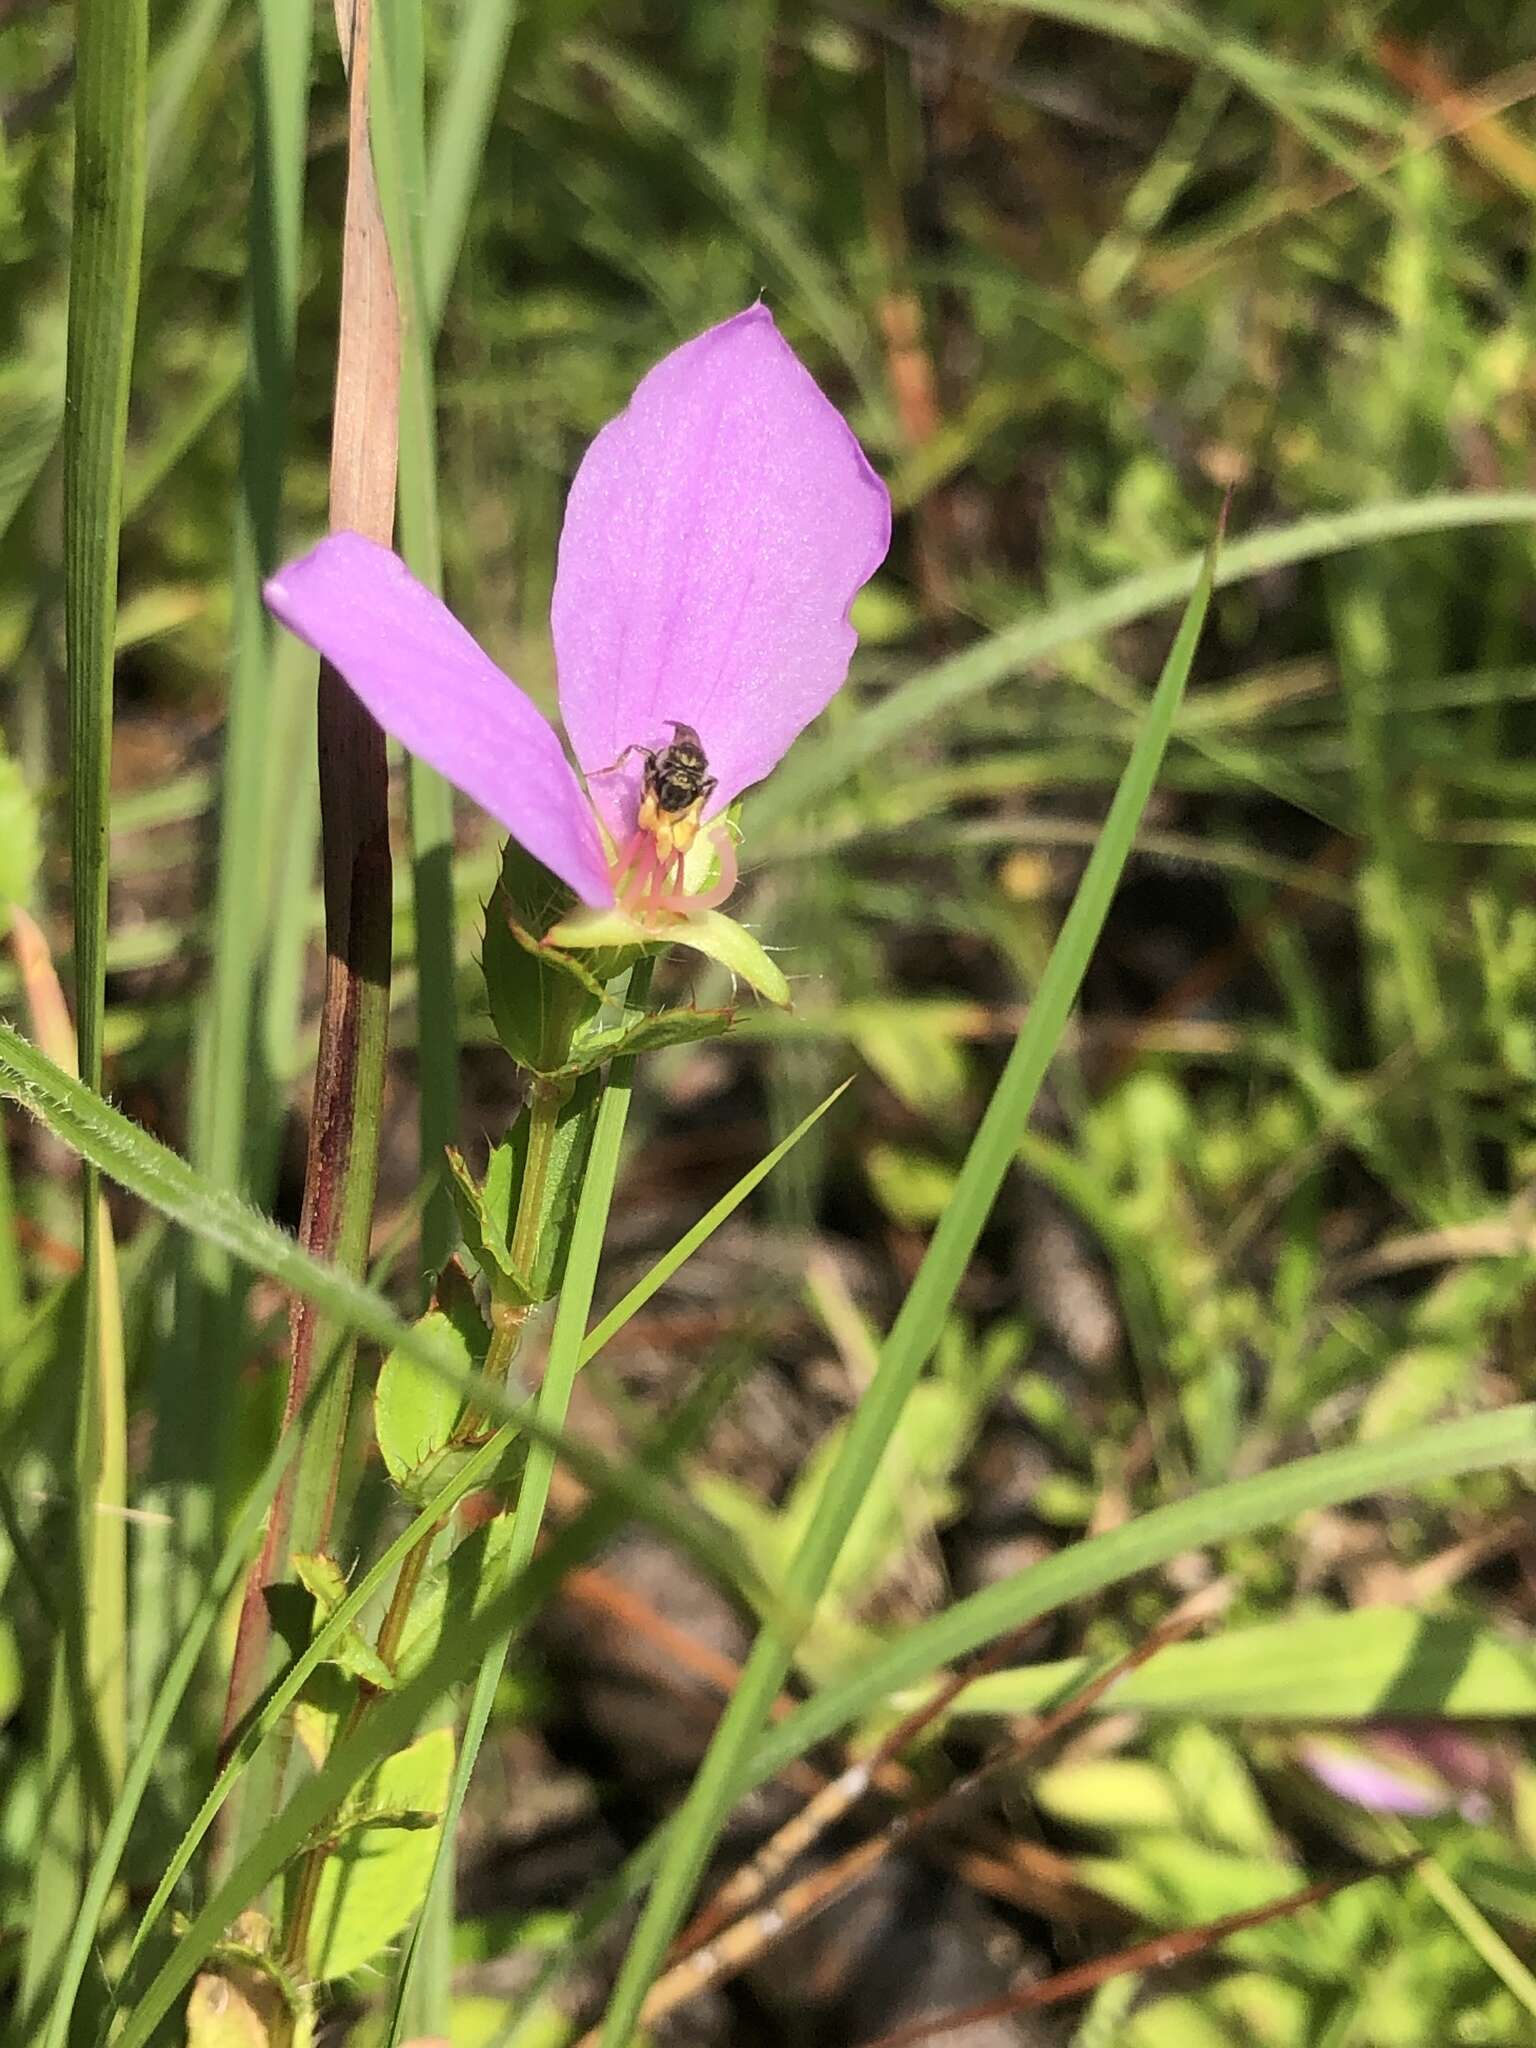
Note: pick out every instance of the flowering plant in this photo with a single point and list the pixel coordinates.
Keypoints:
(716, 534)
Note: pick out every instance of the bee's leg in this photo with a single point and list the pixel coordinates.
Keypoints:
(706, 790)
(634, 747)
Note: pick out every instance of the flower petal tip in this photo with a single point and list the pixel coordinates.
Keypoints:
(429, 685)
(716, 535)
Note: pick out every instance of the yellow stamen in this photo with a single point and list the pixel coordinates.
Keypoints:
(673, 831)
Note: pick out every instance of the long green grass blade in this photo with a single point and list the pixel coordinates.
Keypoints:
(1311, 1667)
(107, 232)
(1177, 31)
(700, 1233)
(911, 1340)
(1475, 1443)
(912, 704)
(461, 123)
(1475, 1928)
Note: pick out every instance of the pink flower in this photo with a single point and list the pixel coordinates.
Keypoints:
(715, 536)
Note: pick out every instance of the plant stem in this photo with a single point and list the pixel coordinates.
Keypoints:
(543, 1115)
(342, 1165)
(84, 1735)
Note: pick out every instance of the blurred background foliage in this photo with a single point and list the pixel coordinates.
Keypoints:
(1074, 270)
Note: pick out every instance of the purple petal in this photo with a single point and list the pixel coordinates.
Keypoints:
(1359, 1778)
(715, 536)
(428, 684)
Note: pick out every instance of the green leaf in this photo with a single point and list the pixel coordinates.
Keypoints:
(910, 1488)
(484, 1229)
(488, 1211)
(415, 1410)
(1316, 1667)
(1111, 1792)
(536, 996)
(20, 848)
(324, 1578)
(10, 1672)
(377, 1876)
(1220, 1799)
(1173, 1881)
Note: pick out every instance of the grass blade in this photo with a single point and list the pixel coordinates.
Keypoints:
(1311, 1667)
(833, 756)
(664, 1268)
(459, 130)
(1474, 1443)
(112, 55)
(911, 1340)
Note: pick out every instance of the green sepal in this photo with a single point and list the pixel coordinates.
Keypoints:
(709, 932)
(323, 1578)
(652, 1033)
(536, 996)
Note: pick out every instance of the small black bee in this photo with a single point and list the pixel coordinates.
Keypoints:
(678, 777)
(676, 787)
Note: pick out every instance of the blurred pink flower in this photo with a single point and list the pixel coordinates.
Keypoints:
(715, 537)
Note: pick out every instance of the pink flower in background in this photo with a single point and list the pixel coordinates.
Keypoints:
(1363, 1780)
(715, 536)
(1417, 1769)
